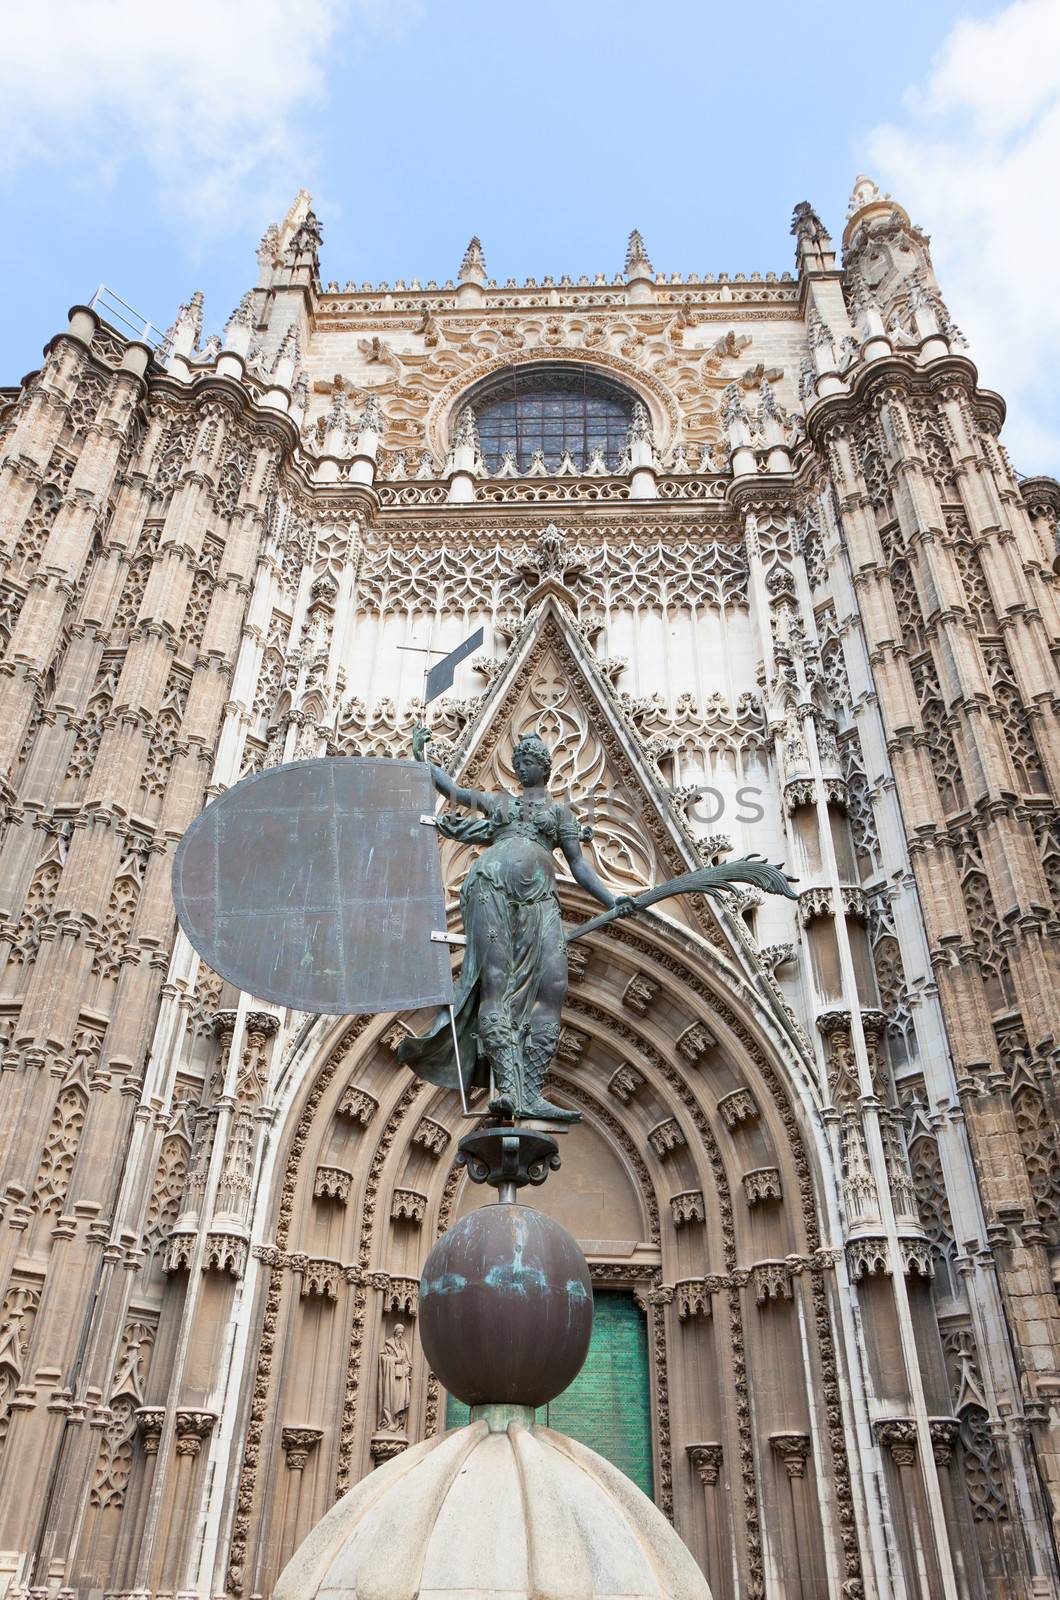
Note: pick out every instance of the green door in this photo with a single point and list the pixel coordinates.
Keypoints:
(607, 1407)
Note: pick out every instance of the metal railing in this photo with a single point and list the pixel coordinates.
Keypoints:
(124, 319)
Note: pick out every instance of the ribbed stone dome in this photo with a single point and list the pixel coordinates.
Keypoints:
(499, 1510)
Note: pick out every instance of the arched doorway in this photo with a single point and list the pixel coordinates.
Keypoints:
(692, 1188)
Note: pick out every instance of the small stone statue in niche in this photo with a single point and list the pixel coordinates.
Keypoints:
(395, 1382)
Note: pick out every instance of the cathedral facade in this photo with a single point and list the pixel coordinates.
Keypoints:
(750, 557)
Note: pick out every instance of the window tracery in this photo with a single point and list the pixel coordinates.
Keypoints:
(551, 412)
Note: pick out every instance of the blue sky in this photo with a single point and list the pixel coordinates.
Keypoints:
(148, 147)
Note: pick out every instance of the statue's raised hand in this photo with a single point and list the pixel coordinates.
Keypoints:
(420, 738)
(625, 905)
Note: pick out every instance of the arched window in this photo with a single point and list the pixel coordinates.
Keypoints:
(549, 411)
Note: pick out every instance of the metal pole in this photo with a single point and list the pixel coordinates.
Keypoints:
(456, 1055)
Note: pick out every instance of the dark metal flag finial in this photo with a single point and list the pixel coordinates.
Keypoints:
(441, 675)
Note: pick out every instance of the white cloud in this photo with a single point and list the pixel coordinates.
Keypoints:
(974, 159)
(211, 93)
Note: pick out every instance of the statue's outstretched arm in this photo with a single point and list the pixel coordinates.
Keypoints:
(442, 781)
(585, 875)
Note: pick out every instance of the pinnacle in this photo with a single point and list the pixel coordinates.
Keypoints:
(473, 266)
(637, 262)
(864, 192)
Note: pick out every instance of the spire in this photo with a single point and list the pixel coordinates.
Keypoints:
(637, 263)
(473, 266)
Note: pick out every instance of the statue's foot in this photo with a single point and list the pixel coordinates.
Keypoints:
(546, 1110)
(502, 1105)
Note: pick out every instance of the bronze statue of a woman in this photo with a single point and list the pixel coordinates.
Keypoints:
(514, 978)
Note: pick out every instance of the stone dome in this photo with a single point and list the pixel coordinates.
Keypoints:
(499, 1510)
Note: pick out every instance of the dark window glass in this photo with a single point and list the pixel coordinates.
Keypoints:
(552, 410)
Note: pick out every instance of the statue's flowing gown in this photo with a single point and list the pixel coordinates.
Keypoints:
(511, 915)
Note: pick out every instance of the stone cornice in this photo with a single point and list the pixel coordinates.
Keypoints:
(899, 371)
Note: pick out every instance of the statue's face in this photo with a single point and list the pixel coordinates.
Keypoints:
(398, 1330)
(530, 769)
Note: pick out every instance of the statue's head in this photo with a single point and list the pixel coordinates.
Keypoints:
(532, 755)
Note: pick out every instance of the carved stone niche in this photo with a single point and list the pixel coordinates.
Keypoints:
(707, 1460)
(431, 1136)
(695, 1042)
(320, 1278)
(408, 1205)
(665, 1137)
(794, 1450)
(624, 1083)
(866, 1257)
(178, 1252)
(392, 1035)
(771, 1280)
(762, 1183)
(687, 1206)
(400, 1294)
(577, 961)
(225, 1252)
(639, 994)
(692, 1298)
(739, 1106)
(571, 1046)
(332, 1183)
(357, 1105)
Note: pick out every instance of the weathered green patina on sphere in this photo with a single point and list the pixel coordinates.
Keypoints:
(506, 1307)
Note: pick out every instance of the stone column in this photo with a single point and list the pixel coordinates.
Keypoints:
(706, 1459)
